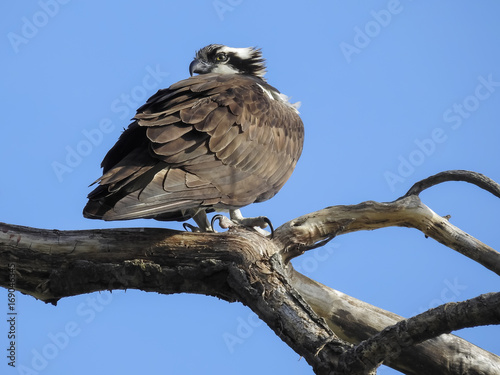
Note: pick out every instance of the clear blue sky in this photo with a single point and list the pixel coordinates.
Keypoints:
(391, 92)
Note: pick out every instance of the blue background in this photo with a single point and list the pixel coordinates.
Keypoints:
(391, 93)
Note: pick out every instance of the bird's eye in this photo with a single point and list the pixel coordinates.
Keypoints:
(221, 57)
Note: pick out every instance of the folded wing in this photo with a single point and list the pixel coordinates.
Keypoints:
(208, 142)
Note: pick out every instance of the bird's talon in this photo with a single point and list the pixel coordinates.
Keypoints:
(215, 217)
(224, 222)
(271, 228)
(188, 226)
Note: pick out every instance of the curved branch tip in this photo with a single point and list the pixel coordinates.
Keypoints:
(475, 178)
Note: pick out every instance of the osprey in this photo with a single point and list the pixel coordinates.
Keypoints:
(216, 141)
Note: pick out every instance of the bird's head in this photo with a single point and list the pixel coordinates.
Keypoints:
(217, 58)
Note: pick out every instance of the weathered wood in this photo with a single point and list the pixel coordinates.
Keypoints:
(355, 321)
(335, 333)
(302, 233)
(239, 265)
(474, 178)
(236, 266)
(482, 310)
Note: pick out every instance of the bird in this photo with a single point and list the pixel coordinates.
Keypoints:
(218, 140)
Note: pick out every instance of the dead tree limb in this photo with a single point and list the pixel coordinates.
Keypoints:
(319, 323)
(474, 178)
(356, 321)
(303, 233)
(368, 355)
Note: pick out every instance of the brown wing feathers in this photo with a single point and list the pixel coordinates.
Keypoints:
(210, 141)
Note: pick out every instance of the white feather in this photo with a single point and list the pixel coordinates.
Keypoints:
(243, 53)
(224, 69)
(274, 95)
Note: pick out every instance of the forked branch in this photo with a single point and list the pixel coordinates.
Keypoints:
(318, 322)
(389, 343)
(303, 233)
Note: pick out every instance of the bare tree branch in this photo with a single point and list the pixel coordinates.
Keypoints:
(234, 266)
(354, 321)
(319, 323)
(475, 178)
(239, 265)
(369, 354)
(303, 233)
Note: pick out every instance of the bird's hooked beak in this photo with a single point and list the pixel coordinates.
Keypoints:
(200, 67)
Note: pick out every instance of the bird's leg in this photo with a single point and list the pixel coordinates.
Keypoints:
(236, 218)
(201, 220)
(259, 222)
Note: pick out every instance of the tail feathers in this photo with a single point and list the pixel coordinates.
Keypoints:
(177, 211)
(95, 210)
